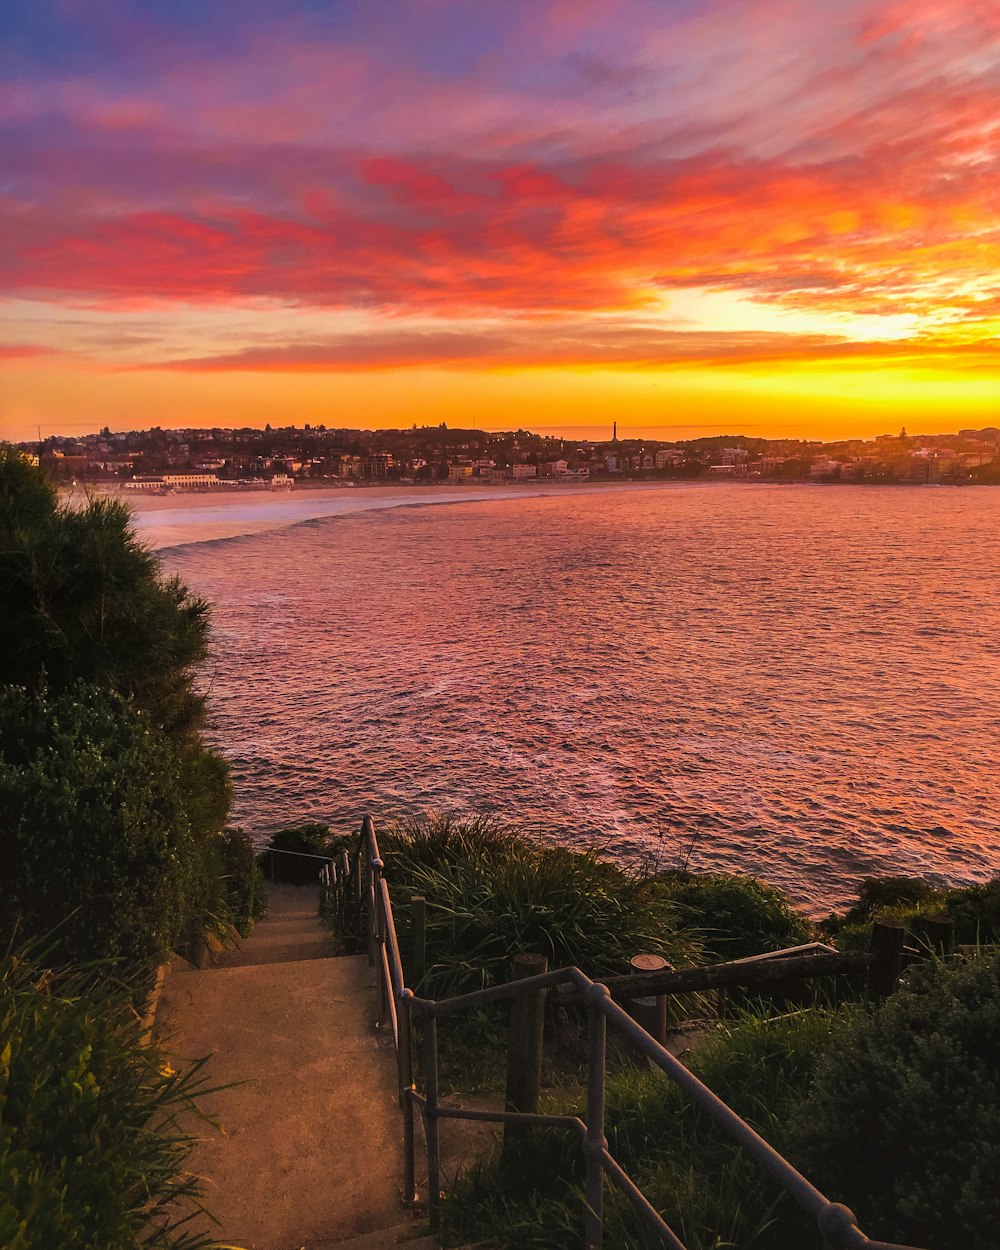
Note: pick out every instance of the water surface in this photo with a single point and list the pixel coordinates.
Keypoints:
(801, 682)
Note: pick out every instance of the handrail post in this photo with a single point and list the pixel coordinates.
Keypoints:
(595, 1142)
(431, 1124)
(527, 1040)
(838, 1226)
(404, 1054)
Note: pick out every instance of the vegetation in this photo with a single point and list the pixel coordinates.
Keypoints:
(99, 851)
(492, 894)
(91, 1156)
(711, 1193)
(891, 1111)
(111, 806)
(245, 892)
(111, 840)
(313, 839)
(735, 916)
(902, 1122)
(973, 909)
(83, 600)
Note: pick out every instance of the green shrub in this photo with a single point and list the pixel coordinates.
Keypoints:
(735, 915)
(877, 894)
(975, 910)
(245, 891)
(301, 840)
(83, 600)
(91, 1157)
(95, 837)
(491, 895)
(903, 1124)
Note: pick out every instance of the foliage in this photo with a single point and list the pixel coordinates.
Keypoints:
(761, 1068)
(306, 840)
(83, 600)
(95, 837)
(245, 891)
(91, 1156)
(974, 909)
(711, 1193)
(491, 894)
(735, 915)
(902, 1123)
(876, 894)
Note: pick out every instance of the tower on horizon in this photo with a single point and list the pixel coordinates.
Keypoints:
(614, 431)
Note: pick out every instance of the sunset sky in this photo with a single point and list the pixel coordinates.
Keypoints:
(777, 217)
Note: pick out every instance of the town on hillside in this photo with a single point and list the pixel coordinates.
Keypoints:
(158, 460)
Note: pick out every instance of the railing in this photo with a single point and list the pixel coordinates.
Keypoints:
(362, 883)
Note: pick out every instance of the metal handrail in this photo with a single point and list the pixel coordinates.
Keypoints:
(399, 1005)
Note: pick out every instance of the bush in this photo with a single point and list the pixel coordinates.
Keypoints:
(83, 600)
(95, 837)
(491, 895)
(305, 840)
(902, 1123)
(109, 800)
(736, 916)
(877, 894)
(90, 1154)
(245, 891)
(975, 910)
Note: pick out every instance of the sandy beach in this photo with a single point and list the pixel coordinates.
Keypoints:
(171, 520)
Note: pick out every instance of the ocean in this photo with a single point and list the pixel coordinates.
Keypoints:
(801, 682)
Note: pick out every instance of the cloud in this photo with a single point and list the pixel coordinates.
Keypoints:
(535, 161)
(568, 344)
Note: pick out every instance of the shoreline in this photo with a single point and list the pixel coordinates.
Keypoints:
(214, 514)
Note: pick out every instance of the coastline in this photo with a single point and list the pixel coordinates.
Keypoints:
(208, 515)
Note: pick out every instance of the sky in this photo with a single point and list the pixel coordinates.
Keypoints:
(774, 217)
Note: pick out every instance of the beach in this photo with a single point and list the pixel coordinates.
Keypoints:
(200, 516)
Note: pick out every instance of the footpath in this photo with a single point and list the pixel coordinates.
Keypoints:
(309, 1154)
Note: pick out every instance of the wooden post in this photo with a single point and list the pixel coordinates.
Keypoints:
(648, 1010)
(936, 934)
(418, 905)
(886, 958)
(527, 1034)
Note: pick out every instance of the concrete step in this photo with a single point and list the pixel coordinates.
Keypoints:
(284, 923)
(278, 953)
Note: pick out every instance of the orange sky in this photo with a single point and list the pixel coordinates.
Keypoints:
(754, 216)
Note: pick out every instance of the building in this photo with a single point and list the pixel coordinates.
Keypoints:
(668, 456)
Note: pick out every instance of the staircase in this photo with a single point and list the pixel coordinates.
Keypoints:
(309, 1154)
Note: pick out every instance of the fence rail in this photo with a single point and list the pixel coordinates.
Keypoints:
(358, 882)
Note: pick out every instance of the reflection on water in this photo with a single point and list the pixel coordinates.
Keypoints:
(800, 681)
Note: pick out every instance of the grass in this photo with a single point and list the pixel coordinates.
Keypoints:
(92, 1155)
(709, 1190)
(491, 894)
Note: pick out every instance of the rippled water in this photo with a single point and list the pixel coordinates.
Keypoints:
(801, 682)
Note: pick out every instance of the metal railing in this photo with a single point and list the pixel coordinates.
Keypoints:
(359, 880)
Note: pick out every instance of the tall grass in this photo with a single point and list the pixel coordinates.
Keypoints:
(708, 1190)
(491, 894)
(92, 1156)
